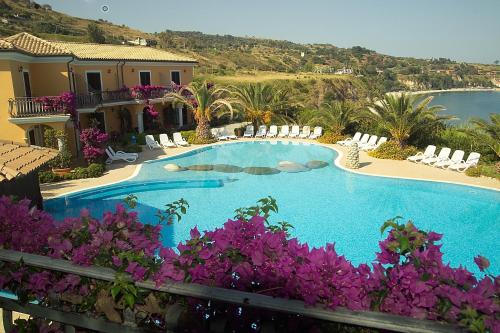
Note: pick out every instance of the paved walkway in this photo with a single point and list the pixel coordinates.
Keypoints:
(369, 165)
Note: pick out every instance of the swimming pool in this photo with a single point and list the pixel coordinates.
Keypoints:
(324, 205)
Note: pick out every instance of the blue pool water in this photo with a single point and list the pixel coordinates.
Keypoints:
(324, 205)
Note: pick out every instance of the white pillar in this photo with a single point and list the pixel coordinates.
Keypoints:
(181, 120)
(140, 122)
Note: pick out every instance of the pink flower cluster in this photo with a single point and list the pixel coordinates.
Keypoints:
(65, 103)
(147, 92)
(93, 140)
(407, 278)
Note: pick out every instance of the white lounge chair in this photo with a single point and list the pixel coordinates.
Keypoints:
(428, 153)
(443, 155)
(261, 132)
(355, 138)
(371, 142)
(179, 140)
(273, 131)
(364, 139)
(151, 142)
(461, 166)
(318, 131)
(248, 132)
(217, 135)
(224, 131)
(119, 152)
(165, 141)
(284, 131)
(306, 131)
(369, 147)
(457, 157)
(295, 131)
(121, 156)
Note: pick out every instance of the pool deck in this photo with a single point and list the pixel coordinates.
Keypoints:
(119, 171)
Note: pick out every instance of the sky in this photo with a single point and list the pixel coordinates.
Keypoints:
(462, 30)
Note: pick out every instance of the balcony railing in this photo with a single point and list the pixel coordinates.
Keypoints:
(21, 107)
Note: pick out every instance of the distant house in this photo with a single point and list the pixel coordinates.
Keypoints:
(344, 71)
(19, 164)
(138, 41)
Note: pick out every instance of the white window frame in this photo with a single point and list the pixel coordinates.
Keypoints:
(87, 82)
(150, 76)
(24, 82)
(180, 76)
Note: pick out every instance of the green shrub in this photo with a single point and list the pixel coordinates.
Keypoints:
(92, 171)
(95, 170)
(330, 137)
(489, 170)
(140, 138)
(128, 148)
(473, 172)
(48, 177)
(391, 150)
(190, 136)
(197, 141)
(79, 173)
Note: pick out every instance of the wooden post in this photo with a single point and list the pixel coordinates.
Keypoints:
(7, 320)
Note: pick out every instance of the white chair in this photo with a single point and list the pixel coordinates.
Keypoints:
(306, 131)
(248, 132)
(457, 157)
(261, 132)
(225, 132)
(318, 131)
(364, 139)
(179, 140)
(217, 135)
(443, 155)
(273, 131)
(284, 131)
(355, 138)
(368, 147)
(428, 153)
(165, 141)
(371, 142)
(295, 131)
(461, 166)
(151, 142)
(120, 156)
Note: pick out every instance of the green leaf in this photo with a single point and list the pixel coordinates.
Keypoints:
(115, 291)
(129, 300)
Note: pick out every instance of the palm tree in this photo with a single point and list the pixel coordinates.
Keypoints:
(487, 132)
(206, 100)
(262, 102)
(404, 115)
(333, 117)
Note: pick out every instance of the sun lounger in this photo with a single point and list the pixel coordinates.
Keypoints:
(179, 140)
(364, 139)
(428, 153)
(306, 131)
(261, 132)
(443, 155)
(461, 166)
(284, 131)
(165, 141)
(355, 138)
(273, 131)
(371, 142)
(318, 131)
(295, 131)
(224, 131)
(368, 146)
(217, 134)
(151, 142)
(457, 157)
(120, 156)
(248, 132)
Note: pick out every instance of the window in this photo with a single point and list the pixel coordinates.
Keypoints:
(94, 83)
(145, 78)
(27, 84)
(175, 76)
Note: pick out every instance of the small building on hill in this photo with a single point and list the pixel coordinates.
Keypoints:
(19, 165)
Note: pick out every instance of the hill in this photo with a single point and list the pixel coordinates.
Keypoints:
(235, 57)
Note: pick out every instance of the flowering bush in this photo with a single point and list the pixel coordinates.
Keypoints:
(93, 140)
(65, 103)
(147, 92)
(248, 253)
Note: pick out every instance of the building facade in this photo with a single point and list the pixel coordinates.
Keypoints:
(105, 82)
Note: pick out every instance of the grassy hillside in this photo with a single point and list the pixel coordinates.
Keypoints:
(246, 59)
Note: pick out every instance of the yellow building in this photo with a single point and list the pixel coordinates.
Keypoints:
(101, 77)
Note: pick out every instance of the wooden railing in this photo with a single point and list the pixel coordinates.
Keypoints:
(21, 107)
(376, 320)
(112, 96)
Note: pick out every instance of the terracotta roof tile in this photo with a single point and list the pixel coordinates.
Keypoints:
(17, 159)
(34, 45)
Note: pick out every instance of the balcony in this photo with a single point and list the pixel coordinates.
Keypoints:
(26, 107)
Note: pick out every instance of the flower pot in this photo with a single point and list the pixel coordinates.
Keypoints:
(61, 171)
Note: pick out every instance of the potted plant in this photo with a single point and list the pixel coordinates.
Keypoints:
(61, 163)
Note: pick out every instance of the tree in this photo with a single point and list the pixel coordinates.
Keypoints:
(404, 115)
(487, 132)
(496, 62)
(205, 100)
(95, 34)
(262, 102)
(333, 117)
